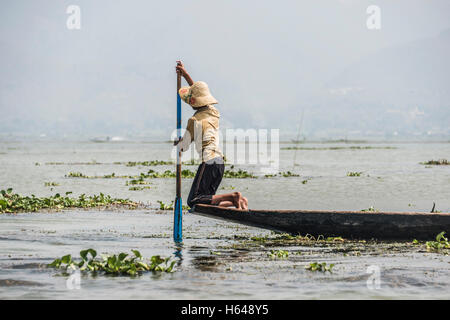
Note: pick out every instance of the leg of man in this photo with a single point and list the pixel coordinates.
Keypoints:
(205, 184)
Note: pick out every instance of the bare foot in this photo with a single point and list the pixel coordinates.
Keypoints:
(237, 197)
(245, 203)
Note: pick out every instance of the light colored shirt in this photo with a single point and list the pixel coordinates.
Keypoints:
(203, 128)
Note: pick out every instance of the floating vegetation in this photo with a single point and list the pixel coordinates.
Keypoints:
(120, 264)
(186, 173)
(440, 243)
(440, 162)
(93, 162)
(136, 188)
(191, 162)
(315, 266)
(150, 174)
(76, 175)
(109, 176)
(335, 239)
(353, 174)
(240, 174)
(81, 175)
(126, 163)
(282, 174)
(228, 188)
(12, 203)
(305, 181)
(338, 148)
(288, 239)
(282, 254)
(288, 174)
(147, 163)
(164, 206)
(370, 209)
(139, 181)
(51, 184)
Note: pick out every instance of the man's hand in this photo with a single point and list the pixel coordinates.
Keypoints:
(182, 71)
(180, 68)
(177, 141)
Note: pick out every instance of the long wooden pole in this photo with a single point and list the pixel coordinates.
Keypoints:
(178, 208)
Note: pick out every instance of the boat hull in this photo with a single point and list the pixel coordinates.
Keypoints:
(346, 224)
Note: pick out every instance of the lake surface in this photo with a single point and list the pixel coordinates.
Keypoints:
(216, 261)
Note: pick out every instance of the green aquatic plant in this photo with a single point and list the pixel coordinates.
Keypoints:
(281, 174)
(186, 173)
(117, 264)
(354, 174)
(148, 163)
(440, 243)
(109, 176)
(191, 162)
(370, 209)
(240, 174)
(288, 174)
(81, 175)
(139, 188)
(338, 148)
(76, 175)
(228, 188)
(93, 162)
(139, 181)
(165, 206)
(315, 266)
(282, 254)
(12, 203)
(440, 162)
(51, 184)
(335, 239)
(152, 174)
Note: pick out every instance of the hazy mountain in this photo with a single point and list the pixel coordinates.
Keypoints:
(404, 88)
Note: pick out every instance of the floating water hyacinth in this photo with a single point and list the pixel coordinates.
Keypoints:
(117, 264)
(282, 254)
(440, 243)
(11, 202)
(322, 267)
(440, 162)
(147, 163)
(165, 206)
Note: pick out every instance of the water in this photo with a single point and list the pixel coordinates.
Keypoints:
(392, 180)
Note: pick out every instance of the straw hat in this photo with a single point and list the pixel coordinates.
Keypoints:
(197, 95)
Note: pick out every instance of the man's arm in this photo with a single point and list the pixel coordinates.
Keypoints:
(187, 138)
(181, 70)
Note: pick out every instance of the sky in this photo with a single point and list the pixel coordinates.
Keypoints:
(266, 62)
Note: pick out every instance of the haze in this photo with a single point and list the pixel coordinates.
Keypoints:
(266, 62)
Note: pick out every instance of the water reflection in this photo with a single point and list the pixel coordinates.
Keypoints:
(178, 253)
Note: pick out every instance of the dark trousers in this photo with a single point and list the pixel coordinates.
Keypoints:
(206, 181)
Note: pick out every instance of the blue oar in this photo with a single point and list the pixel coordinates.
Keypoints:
(178, 208)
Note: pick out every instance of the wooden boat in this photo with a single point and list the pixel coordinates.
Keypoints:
(346, 224)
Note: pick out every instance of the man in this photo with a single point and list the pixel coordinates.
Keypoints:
(203, 127)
